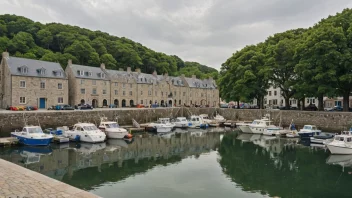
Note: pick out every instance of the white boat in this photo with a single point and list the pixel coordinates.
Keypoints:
(219, 118)
(205, 118)
(244, 127)
(308, 131)
(181, 122)
(113, 130)
(163, 125)
(260, 126)
(32, 136)
(342, 144)
(85, 132)
(273, 131)
(197, 122)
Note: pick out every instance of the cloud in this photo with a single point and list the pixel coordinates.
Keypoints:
(206, 31)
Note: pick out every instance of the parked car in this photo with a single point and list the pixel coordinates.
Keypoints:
(140, 106)
(67, 107)
(83, 106)
(224, 106)
(311, 107)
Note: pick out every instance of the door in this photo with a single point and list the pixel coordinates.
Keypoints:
(42, 103)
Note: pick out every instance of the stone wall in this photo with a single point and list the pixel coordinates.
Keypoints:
(327, 121)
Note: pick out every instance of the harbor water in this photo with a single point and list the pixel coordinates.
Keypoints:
(197, 164)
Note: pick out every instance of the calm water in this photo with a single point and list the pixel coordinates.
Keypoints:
(197, 164)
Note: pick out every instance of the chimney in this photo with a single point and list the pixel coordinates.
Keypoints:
(69, 62)
(138, 70)
(102, 66)
(5, 55)
(194, 77)
(120, 69)
(154, 73)
(129, 69)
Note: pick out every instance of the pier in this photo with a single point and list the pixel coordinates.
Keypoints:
(16, 181)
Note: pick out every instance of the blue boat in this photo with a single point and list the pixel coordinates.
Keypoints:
(308, 131)
(32, 136)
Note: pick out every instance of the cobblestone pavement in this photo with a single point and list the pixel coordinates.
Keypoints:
(18, 182)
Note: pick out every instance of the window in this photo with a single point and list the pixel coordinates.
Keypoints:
(184, 93)
(202, 95)
(104, 91)
(116, 92)
(130, 93)
(313, 101)
(105, 83)
(81, 72)
(269, 93)
(90, 74)
(149, 93)
(22, 100)
(94, 91)
(42, 71)
(275, 102)
(60, 100)
(22, 84)
(156, 93)
(275, 93)
(42, 85)
(141, 101)
(123, 85)
(59, 86)
(23, 69)
(102, 75)
(130, 85)
(94, 82)
(162, 93)
(141, 92)
(82, 82)
(123, 93)
(116, 84)
(83, 91)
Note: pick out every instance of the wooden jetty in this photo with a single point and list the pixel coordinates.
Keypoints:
(8, 141)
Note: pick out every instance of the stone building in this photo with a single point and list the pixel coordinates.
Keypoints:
(27, 82)
(88, 85)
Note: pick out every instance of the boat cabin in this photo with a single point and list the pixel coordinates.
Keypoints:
(196, 119)
(347, 133)
(106, 125)
(32, 129)
(181, 119)
(85, 127)
(310, 127)
(263, 122)
(164, 120)
(204, 116)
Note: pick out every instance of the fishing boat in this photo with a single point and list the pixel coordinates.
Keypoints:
(85, 132)
(219, 118)
(112, 129)
(260, 126)
(58, 136)
(205, 118)
(32, 136)
(342, 144)
(163, 125)
(197, 122)
(308, 131)
(181, 122)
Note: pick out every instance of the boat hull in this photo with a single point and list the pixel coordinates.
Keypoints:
(163, 129)
(245, 129)
(339, 150)
(116, 135)
(33, 141)
(316, 140)
(181, 125)
(257, 130)
(86, 138)
(305, 134)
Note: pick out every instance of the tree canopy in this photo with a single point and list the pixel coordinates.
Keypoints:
(313, 62)
(57, 42)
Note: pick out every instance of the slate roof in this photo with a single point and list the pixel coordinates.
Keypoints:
(121, 74)
(34, 68)
(205, 84)
(88, 72)
(177, 81)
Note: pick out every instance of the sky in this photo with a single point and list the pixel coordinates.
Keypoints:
(205, 31)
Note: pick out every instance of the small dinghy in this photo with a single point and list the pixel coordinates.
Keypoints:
(319, 139)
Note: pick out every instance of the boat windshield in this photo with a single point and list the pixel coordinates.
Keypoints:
(90, 128)
(307, 127)
(339, 138)
(112, 125)
(33, 130)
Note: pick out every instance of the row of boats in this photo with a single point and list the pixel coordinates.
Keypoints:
(336, 143)
(89, 132)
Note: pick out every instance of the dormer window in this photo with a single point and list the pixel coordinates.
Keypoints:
(41, 71)
(23, 69)
(102, 75)
(57, 73)
(90, 73)
(145, 79)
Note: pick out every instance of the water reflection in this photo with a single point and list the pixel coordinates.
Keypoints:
(87, 165)
(283, 168)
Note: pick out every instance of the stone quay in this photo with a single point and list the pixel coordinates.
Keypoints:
(327, 121)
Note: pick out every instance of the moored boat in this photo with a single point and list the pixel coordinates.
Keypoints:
(32, 136)
(319, 139)
(342, 144)
(85, 132)
(181, 122)
(163, 125)
(260, 126)
(197, 122)
(244, 127)
(308, 131)
(113, 130)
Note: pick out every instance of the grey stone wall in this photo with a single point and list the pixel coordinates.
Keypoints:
(327, 121)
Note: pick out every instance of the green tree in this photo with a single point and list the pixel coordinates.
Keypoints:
(109, 61)
(4, 43)
(21, 42)
(45, 37)
(82, 51)
(99, 45)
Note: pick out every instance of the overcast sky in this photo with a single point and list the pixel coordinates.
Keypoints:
(206, 31)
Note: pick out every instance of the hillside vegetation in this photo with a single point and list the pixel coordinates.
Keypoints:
(56, 42)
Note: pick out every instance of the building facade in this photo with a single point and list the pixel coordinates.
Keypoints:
(103, 87)
(27, 82)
